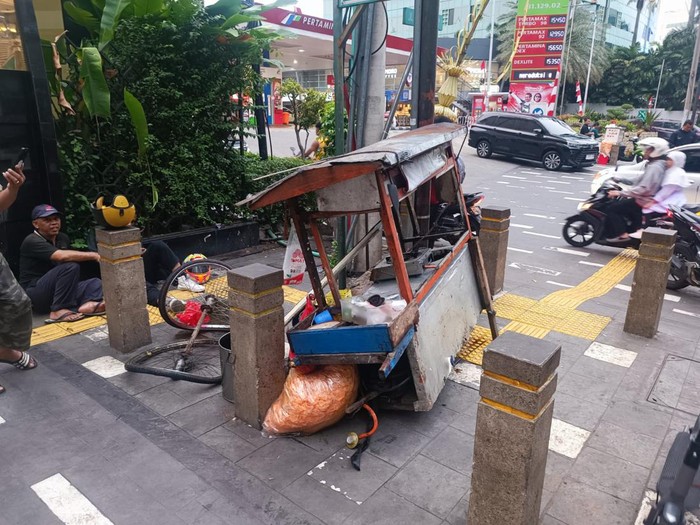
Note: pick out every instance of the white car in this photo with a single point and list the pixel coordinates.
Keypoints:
(692, 168)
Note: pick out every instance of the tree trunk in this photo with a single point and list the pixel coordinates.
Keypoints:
(640, 8)
(694, 4)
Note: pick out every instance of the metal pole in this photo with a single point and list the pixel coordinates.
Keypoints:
(688, 106)
(425, 34)
(493, 28)
(572, 12)
(367, 28)
(339, 78)
(590, 57)
(658, 87)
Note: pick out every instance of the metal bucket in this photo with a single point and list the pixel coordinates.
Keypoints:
(227, 360)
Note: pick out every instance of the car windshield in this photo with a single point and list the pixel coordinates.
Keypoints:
(557, 127)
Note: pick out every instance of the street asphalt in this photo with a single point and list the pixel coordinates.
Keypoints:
(83, 441)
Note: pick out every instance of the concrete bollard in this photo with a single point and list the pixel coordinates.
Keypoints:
(513, 421)
(124, 288)
(257, 339)
(493, 239)
(649, 283)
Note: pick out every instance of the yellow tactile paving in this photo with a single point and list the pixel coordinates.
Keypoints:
(556, 312)
(51, 332)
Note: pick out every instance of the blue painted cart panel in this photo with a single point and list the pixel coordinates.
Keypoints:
(342, 340)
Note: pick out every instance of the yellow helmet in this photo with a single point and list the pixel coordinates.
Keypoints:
(117, 213)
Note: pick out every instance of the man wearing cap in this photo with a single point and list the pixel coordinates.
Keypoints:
(50, 273)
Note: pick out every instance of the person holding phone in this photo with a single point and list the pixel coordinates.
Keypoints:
(15, 306)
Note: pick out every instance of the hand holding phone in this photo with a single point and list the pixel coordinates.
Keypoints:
(21, 156)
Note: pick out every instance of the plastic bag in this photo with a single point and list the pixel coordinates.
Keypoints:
(314, 400)
(294, 263)
(190, 317)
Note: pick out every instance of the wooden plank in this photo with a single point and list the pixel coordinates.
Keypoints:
(295, 213)
(327, 269)
(392, 239)
(393, 357)
(403, 323)
(312, 180)
(339, 359)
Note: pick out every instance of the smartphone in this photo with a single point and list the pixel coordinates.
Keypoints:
(21, 156)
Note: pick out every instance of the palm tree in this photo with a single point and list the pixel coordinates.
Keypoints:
(640, 7)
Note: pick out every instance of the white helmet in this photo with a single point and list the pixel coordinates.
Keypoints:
(659, 147)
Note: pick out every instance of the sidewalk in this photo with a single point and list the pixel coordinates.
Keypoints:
(142, 449)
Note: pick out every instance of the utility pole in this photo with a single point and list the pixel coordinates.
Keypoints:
(493, 29)
(692, 80)
(425, 33)
(590, 57)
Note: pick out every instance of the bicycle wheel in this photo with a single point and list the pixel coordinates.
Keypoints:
(195, 282)
(203, 365)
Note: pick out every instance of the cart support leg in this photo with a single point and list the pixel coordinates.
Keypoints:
(257, 339)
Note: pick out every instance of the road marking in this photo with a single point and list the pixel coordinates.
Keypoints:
(502, 182)
(548, 187)
(565, 250)
(667, 297)
(530, 172)
(542, 235)
(562, 192)
(575, 199)
(560, 284)
(591, 264)
(525, 226)
(67, 503)
(572, 178)
(538, 216)
(683, 312)
(567, 439)
(534, 181)
(466, 374)
(519, 250)
(611, 354)
(514, 177)
(534, 269)
(105, 366)
(559, 182)
(518, 187)
(1, 420)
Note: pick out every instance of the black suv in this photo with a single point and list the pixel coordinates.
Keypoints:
(545, 139)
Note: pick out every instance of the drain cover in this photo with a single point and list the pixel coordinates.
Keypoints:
(677, 385)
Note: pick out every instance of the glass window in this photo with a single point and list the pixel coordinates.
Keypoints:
(556, 126)
(692, 161)
(508, 122)
(11, 53)
(527, 125)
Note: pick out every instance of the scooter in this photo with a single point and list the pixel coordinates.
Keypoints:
(685, 262)
(636, 155)
(448, 217)
(588, 226)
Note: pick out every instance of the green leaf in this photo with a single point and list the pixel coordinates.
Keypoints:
(138, 119)
(273, 5)
(82, 17)
(225, 8)
(147, 7)
(95, 90)
(110, 18)
(240, 18)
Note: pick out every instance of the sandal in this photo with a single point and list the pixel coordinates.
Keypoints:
(26, 362)
(67, 317)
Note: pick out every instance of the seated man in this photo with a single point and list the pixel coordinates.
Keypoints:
(50, 273)
(159, 262)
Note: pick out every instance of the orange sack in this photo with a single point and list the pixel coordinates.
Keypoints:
(313, 400)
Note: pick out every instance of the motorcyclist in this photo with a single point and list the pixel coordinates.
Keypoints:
(641, 195)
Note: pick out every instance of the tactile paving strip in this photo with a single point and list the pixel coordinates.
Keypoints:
(51, 332)
(555, 312)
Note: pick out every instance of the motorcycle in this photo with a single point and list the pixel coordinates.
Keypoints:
(685, 262)
(447, 218)
(588, 226)
(636, 154)
(677, 480)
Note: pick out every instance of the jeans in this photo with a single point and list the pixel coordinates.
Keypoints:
(158, 263)
(61, 288)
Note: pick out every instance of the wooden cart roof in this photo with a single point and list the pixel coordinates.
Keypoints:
(325, 173)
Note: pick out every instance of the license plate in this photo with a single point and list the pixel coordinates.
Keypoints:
(590, 157)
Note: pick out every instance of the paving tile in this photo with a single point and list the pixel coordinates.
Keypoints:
(599, 391)
(20, 506)
(610, 474)
(577, 411)
(163, 400)
(453, 449)
(567, 439)
(579, 504)
(280, 462)
(429, 423)
(549, 520)
(133, 383)
(201, 417)
(625, 444)
(227, 443)
(193, 391)
(465, 423)
(558, 467)
(595, 369)
(396, 443)
(458, 398)
(251, 435)
(644, 418)
(320, 500)
(611, 354)
(387, 508)
(337, 473)
(459, 512)
(466, 374)
(332, 439)
(430, 485)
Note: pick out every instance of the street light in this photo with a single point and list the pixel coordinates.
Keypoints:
(590, 57)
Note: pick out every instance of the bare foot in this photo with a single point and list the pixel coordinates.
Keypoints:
(65, 315)
(92, 307)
